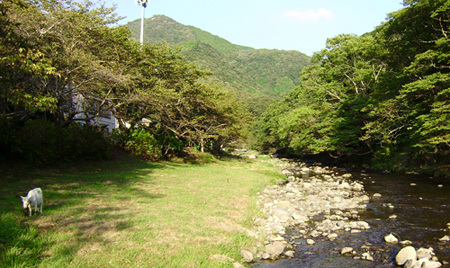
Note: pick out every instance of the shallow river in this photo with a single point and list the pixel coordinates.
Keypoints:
(422, 211)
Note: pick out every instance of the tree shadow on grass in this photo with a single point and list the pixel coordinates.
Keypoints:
(90, 203)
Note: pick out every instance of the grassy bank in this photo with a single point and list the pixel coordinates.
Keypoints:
(131, 213)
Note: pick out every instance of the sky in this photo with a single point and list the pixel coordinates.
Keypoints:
(302, 25)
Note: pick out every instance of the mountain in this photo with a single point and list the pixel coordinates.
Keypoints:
(260, 75)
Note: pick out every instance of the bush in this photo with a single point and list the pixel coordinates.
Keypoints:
(140, 143)
(43, 142)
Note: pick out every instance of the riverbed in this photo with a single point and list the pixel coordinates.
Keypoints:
(412, 207)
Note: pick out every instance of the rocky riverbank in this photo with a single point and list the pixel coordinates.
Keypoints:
(313, 199)
(319, 202)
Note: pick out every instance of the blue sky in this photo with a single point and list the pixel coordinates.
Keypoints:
(302, 25)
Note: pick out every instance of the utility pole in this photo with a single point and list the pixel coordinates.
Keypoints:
(142, 3)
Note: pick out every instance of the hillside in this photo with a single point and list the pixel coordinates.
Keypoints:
(260, 75)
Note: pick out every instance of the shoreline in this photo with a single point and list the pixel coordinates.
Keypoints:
(307, 192)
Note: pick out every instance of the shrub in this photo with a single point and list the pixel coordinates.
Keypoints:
(140, 143)
(43, 142)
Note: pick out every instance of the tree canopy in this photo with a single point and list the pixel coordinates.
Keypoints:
(383, 95)
(68, 62)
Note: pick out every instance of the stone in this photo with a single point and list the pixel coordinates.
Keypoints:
(390, 238)
(283, 215)
(406, 253)
(284, 204)
(314, 233)
(367, 256)
(299, 218)
(247, 255)
(332, 236)
(412, 264)
(445, 238)
(346, 250)
(310, 242)
(347, 176)
(425, 253)
(363, 224)
(290, 254)
(357, 187)
(344, 185)
(431, 264)
(238, 265)
(376, 196)
(275, 248)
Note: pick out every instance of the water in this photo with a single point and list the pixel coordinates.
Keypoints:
(422, 213)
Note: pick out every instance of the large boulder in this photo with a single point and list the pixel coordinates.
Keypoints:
(405, 254)
(247, 255)
(275, 248)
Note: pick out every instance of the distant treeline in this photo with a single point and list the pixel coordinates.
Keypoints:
(383, 97)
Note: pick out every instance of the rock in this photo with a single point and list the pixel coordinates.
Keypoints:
(314, 233)
(344, 185)
(238, 265)
(390, 238)
(263, 255)
(376, 196)
(431, 264)
(367, 256)
(299, 218)
(310, 242)
(282, 182)
(357, 187)
(284, 204)
(412, 264)
(252, 156)
(406, 253)
(445, 238)
(247, 255)
(346, 250)
(413, 184)
(425, 253)
(283, 215)
(290, 254)
(332, 236)
(275, 248)
(363, 224)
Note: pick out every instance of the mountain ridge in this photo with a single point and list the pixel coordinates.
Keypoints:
(262, 74)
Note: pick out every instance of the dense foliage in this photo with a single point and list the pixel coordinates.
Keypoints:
(383, 96)
(64, 62)
(260, 75)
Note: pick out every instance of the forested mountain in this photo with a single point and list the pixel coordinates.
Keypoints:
(260, 75)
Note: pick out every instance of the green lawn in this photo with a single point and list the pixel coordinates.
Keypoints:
(131, 213)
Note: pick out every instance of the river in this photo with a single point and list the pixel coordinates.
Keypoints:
(413, 207)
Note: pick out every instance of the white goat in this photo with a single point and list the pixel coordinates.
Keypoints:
(34, 198)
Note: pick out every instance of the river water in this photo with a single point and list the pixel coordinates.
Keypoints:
(422, 208)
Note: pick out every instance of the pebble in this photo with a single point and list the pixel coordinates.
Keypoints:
(346, 250)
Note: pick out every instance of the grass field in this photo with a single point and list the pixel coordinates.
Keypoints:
(131, 213)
